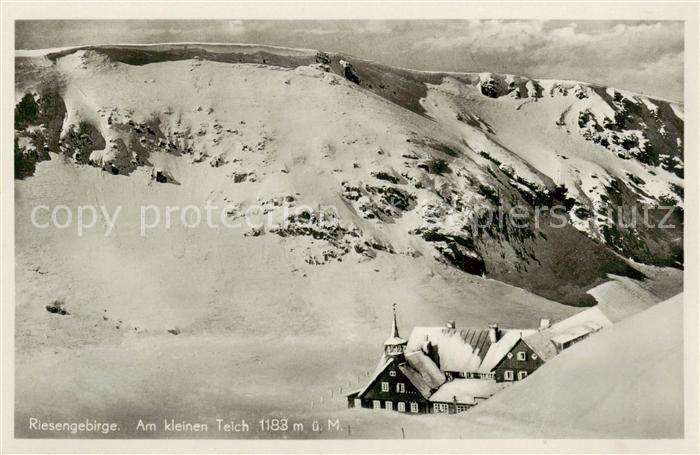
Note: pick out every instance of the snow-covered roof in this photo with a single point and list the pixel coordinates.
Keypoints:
(427, 369)
(457, 350)
(416, 379)
(498, 350)
(418, 368)
(540, 342)
(467, 350)
(394, 341)
(586, 321)
(466, 390)
(576, 333)
(593, 314)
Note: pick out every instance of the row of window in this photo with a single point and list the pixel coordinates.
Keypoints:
(444, 408)
(400, 387)
(440, 408)
(401, 406)
(508, 375)
(521, 355)
(450, 375)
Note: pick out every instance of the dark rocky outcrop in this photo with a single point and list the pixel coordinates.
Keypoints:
(349, 72)
(38, 124)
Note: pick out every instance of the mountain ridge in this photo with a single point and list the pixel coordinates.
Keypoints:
(478, 150)
(59, 50)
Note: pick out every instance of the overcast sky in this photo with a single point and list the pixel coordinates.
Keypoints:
(641, 56)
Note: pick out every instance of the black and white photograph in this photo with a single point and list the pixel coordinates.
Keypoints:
(348, 229)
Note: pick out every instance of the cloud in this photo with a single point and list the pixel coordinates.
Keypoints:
(484, 36)
(641, 56)
(374, 27)
(645, 56)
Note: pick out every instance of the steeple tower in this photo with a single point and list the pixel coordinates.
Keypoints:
(395, 346)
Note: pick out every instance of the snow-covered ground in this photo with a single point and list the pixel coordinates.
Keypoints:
(626, 382)
(214, 322)
(261, 332)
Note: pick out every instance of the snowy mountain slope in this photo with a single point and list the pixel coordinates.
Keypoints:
(366, 192)
(407, 158)
(528, 133)
(628, 381)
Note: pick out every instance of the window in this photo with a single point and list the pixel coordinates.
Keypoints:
(414, 407)
(508, 375)
(392, 373)
(402, 407)
(510, 355)
(461, 407)
(400, 387)
(385, 386)
(376, 404)
(522, 375)
(522, 356)
(389, 405)
(358, 403)
(534, 356)
(441, 408)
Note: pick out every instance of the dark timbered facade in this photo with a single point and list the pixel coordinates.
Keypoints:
(518, 363)
(446, 370)
(391, 389)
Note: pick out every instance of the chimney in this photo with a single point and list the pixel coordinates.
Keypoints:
(493, 333)
(450, 324)
(427, 347)
(545, 323)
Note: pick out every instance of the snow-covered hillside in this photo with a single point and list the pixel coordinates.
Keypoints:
(367, 179)
(628, 383)
(410, 159)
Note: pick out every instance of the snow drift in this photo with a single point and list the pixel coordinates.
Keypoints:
(625, 382)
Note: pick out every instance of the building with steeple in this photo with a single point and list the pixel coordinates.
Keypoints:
(402, 381)
(445, 369)
(449, 370)
(395, 346)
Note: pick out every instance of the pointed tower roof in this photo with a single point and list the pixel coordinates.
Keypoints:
(395, 339)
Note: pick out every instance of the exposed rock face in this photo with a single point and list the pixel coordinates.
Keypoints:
(323, 58)
(421, 179)
(38, 121)
(337, 238)
(161, 176)
(457, 249)
(378, 202)
(489, 87)
(349, 72)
